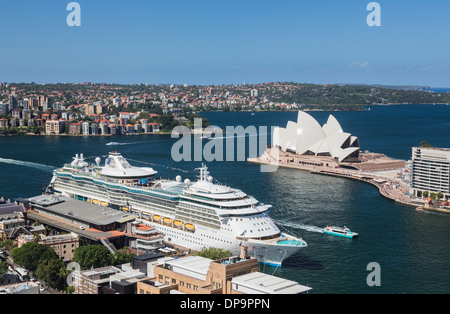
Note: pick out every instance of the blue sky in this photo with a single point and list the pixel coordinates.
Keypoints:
(225, 42)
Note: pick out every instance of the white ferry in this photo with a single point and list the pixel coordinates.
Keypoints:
(340, 232)
(193, 215)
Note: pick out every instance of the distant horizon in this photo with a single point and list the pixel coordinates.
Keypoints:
(240, 83)
(219, 42)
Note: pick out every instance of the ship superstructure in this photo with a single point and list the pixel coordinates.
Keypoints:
(190, 214)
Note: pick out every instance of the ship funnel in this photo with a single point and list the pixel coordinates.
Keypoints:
(244, 252)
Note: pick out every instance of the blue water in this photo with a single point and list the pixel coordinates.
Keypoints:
(412, 248)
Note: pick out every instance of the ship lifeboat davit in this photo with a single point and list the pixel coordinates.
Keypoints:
(167, 220)
(156, 217)
(189, 227)
(178, 223)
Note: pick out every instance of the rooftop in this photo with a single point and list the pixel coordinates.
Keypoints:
(263, 283)
(90, 213)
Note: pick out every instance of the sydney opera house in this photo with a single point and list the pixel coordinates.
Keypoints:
(307, 137)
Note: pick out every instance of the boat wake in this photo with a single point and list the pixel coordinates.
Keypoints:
(27, 164)
(117, 143)
(301, 226)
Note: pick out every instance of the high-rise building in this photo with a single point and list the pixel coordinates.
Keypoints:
(430, 170)
(13, 104)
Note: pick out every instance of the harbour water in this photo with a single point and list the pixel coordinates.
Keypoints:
(412, 248)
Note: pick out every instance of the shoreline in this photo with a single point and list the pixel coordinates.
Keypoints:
(384, 179)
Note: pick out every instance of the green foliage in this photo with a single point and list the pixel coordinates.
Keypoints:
(167, 122)
(53, 272)
(214, 253)
(3, 270)
(8, 244)
(122, 258)
(92, 256)
(31, 254)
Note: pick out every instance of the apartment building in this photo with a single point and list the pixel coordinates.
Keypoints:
(430, 170)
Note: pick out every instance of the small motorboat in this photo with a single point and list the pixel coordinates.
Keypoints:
(340, 232)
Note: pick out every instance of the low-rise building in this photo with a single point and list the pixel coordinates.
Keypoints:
(54, 127)
(199, 275)
(74, 129)
(93, 281)
(63, 244)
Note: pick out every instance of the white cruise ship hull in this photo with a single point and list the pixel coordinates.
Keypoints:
(190, 215)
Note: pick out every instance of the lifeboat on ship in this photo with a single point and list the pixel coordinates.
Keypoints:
(96, 202)
(189, 227)
(104, 204)
(167, 220)
(178, 223)
(157, 218)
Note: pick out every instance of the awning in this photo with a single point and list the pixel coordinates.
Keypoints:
(126, 219)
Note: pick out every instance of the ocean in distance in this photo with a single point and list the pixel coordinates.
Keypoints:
(412, 248)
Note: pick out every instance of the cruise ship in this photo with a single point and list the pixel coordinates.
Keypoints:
(193, 215)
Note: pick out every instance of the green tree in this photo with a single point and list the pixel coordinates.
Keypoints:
(92, 256)
(3, 271)
(214, 253)
(122, 258)
(53, 272)
(31, 254)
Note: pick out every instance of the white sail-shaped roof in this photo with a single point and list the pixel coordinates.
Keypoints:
(309, 132)
(277, 136)
(332, 126)
(290, 136)
(307, 136)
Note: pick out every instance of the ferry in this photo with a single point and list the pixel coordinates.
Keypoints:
(193, 215)
(340, 232)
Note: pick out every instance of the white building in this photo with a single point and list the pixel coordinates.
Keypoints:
(430, 170)
(307, 137)
(85, 128)
(254, 93)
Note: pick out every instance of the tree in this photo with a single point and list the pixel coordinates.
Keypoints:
(122, 258)
(214, 253)
(31, 254)
(53, 272)
(3, 271)
(95, 256)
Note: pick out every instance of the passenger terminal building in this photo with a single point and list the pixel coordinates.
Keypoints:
(430, 170)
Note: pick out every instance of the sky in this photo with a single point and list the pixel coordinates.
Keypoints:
(226, 42)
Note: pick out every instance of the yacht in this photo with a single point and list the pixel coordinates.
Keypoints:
(193, 215)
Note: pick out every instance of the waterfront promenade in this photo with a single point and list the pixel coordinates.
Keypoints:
(373, 168)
